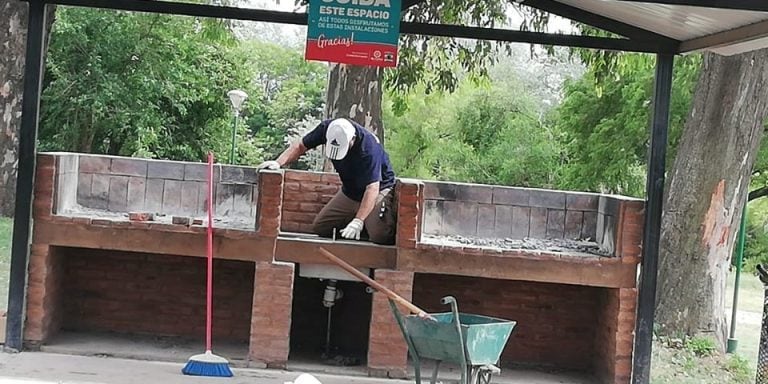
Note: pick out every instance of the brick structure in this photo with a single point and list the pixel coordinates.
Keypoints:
(271, 324)
(387, 351)
(95, 267)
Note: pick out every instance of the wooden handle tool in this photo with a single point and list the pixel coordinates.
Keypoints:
(375, 285)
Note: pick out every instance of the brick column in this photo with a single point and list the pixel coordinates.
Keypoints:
(410, 201)
(271, 316)
(269, 203)
(387, 350)
(630, 231)
(43, 312)
(615, 336)
(45, 175)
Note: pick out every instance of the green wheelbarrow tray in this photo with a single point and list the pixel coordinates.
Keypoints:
(475, 342)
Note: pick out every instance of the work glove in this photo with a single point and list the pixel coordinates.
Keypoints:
(353, 229)
(270, 164)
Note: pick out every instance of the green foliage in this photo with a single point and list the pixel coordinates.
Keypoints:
(6, 231)
(739, 367)
(756, 242)
(605, 126)
(477, 134)
(694, 361)
(135, 84)
(292, 91)
(701, 346)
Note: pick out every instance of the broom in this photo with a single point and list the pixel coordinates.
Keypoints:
(208, 364)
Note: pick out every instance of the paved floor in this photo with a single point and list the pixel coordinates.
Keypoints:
(50, 368)
(105, 358)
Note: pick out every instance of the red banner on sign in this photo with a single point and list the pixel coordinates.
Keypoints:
(380, 55)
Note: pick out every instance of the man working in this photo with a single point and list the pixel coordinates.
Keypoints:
(365, 200)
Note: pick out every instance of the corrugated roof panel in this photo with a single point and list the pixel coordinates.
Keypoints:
(675, 21)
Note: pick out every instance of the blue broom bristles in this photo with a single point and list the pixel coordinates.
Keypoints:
(207, 364)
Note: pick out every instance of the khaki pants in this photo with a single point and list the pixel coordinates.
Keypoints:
(341, 210)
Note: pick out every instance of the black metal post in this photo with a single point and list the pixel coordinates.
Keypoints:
(22, 220)
(646, 306)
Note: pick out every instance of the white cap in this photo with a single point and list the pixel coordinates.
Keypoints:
(340, 132)
(304, 378)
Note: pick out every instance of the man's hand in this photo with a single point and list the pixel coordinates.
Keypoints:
(353, 229)
(270, 164)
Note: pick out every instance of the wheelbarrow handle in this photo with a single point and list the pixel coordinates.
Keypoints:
(374, 284)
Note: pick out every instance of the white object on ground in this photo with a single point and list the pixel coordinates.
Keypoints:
(304, 378)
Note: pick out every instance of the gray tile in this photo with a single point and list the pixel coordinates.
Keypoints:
(169, 170)
(486, 220)
(589, 227)
(511, 196)
(555, 224)
(433, 218)
(153, 201)
(503, 222)
(538, 227)
(547, 199)
(129, 167)
(573, 222)
(475, 193)
(440, 191)
(118, 194)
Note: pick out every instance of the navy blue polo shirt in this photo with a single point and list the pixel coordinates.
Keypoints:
(365, 163)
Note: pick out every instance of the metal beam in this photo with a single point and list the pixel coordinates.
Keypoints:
(731, 37)
(444, 30)
(190, 9)
(22, 218)
(646, 307)
(410, 3)
(534, 37)
(598, 21)
(744, 5)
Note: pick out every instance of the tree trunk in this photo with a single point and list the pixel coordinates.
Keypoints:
(355, 92)
(706, 193)
(13, 39)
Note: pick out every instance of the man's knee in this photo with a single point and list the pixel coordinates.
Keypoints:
(322, 227)
(380, 232)
(382, 237)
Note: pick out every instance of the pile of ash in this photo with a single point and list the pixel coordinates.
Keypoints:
(544, 245)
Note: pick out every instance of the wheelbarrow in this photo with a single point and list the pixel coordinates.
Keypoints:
(474, 342)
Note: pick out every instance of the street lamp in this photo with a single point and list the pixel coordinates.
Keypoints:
(237, 97)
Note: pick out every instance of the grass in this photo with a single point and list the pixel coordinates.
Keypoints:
(6, 226)
(750, 307)
(695, 361)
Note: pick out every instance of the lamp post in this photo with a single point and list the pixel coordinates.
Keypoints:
(237, 97)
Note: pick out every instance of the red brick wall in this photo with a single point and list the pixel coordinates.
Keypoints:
(556, 323)
(410, 208)
(44, 293)
(269, 203)
(157, 294)
(304, 195)
(271, 306)
(614, 339)
(387, 350)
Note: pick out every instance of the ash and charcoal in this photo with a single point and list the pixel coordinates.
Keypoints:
(543, 245)
(231, 222)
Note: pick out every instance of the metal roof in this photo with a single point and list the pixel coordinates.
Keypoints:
(724, 31)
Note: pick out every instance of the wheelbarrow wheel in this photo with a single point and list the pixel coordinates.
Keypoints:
(482, 374)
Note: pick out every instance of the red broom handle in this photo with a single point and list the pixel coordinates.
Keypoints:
(209, 293)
